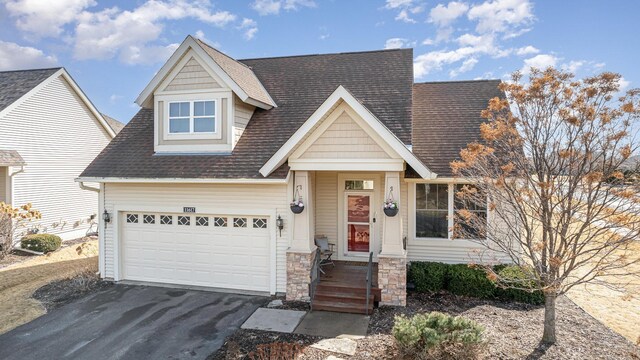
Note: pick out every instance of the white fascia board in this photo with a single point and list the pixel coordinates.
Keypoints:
(191, 43)
(180, 180)
(62, 72)
(342, 93)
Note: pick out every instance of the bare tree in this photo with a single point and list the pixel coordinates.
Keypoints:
(13, 224)
(544, 166)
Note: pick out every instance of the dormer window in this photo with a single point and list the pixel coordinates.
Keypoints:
(193, 117)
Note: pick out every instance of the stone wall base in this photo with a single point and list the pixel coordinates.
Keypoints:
(299, 275)
(392, 280)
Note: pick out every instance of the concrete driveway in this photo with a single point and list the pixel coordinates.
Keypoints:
(133, 322)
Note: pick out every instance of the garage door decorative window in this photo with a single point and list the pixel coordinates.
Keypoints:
(132, 218)
(149, 219)
(166, 219)
(259, 223)
(184, 220)
(240, 222)
(220, 222)
(202, 221)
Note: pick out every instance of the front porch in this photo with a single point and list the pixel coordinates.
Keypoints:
(343, 288)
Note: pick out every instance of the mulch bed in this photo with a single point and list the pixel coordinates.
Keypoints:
(58, 293)
(512, 331)
(16, 256)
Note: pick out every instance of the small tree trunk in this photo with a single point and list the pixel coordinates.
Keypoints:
(549, 335)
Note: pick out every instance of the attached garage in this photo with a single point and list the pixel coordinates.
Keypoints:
(211, 250)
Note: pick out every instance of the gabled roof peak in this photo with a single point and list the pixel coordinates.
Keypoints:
(238, 76)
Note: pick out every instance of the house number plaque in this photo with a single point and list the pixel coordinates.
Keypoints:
(189, 209)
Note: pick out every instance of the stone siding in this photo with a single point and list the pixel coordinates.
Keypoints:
(299, 275)
(392, 279)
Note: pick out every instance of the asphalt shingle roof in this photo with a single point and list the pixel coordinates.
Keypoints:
(14, 84)
(240, 73)
(446, 117)
(115, 125)
(299, 85)
(11, 158)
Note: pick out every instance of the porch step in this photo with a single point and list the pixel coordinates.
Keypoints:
(345, 298)
(333, 289)
(343, 307)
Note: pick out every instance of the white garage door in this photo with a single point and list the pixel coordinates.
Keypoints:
(204, 250)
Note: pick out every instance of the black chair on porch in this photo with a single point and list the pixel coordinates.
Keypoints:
(326, 251)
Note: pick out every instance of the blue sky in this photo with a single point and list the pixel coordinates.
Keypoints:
(113, 48)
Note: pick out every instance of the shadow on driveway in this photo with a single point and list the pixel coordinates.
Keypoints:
(133, 322)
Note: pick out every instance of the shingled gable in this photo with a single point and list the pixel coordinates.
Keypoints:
(343, 94)
(239, 77)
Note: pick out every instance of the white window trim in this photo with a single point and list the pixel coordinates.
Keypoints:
(413, 212)
(217, 134)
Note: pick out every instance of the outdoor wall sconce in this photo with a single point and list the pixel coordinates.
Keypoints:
(106, 217)
(280, 224)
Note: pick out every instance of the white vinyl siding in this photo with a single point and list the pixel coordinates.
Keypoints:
(192, 76)
(440, 250)
(214, 198)
(58, 136)
(242, 115)
(345, 139)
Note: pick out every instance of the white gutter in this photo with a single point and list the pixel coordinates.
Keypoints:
(85, 187)
(17, 172)
(180, 180)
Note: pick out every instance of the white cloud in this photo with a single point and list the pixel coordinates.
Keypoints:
(573, 66)
(405, 9)
(273, 7)
(527, 50)
(45, 18)
(467, 65)
(403, 15)
(433, 61)
(128, 33)
(250, 28)
(428, 42)
(539, 62)
(398, 43)
(16, 57)
(624, 84)
(114, 98)
(501, 15)
(394, 4)
(443, 15)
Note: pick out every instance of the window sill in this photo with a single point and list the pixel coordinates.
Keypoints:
(193, 136)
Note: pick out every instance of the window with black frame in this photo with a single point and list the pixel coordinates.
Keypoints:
(432, 209)
(480, 209)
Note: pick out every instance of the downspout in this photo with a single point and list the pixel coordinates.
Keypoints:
(89, 188)
(10, 183)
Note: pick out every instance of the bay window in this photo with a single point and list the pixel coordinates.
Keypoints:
(192, 117)
(435, 205)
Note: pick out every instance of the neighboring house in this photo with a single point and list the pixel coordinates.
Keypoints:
(196, 182)
(49, 132)
(113, 123)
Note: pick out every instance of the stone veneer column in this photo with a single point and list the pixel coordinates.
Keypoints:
(392, 280)
(299, 275)
(392, 261)
(300, 254)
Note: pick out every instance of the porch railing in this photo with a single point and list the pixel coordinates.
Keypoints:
(369, 281)
(315, 277)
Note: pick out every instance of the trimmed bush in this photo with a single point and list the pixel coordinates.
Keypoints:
(428, 276)
(468, 281)
(460, 279)
(41, 242)
(515, 275)
(438, 336)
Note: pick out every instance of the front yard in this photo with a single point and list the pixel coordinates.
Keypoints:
(21, 278)
(512, 331)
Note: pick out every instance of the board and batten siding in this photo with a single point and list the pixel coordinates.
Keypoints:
(345, 139)
(242, 114)
(219, 198)
(192, 76)
(58, 136)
